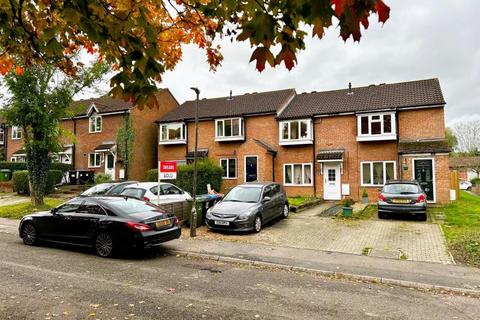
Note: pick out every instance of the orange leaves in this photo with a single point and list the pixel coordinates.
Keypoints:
(19, 71)
(6, 64)
(383, 11)
(262, 55)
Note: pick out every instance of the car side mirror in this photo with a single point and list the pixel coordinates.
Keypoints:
(54, 211)
(266, 199)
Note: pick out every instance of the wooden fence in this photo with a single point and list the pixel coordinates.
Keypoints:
(455, 183)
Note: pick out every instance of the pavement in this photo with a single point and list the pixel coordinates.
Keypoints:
(397, 239)
(52, 282)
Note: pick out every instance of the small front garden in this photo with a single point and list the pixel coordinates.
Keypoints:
(462, 228)
(298, 203)
(17, 211)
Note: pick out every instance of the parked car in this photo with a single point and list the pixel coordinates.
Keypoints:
(465, 185)
(404, 197)
(106, 223)
(111, 188)
(149, 191)
(248, 207)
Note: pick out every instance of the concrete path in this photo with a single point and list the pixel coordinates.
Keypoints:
(409, 240)
(12, 198)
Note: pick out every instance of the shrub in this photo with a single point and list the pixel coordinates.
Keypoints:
(348, 202)
(208, 173)
(364, 193)
(152, 175)
(54, 177)
(63, 167)
(102, 178)
(20, 182)
(16, 166)
(475, 181)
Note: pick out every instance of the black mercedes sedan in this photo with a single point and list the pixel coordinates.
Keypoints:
(105, 223)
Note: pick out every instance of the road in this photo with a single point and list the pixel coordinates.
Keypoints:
(64, 283)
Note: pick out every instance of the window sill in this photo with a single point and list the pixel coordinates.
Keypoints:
(226, 139)
(94, 167)
(380, 137)
(16, 138)
(94, 131)
(229, 178)
(297, 185)
(172, 142)
(295, 142)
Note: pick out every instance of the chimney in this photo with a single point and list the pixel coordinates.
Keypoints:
(350, 88)
(230, 97)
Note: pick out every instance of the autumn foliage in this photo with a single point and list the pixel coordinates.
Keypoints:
(142, 39)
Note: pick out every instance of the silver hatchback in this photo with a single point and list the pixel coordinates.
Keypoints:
(402, 197)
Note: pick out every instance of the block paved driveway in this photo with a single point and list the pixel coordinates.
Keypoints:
(411, 240)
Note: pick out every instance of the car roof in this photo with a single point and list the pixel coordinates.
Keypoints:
(402, 182)
(256, 184)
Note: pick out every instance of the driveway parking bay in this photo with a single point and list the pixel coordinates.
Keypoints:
(410, 240)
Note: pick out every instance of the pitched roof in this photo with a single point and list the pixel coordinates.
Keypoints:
(246, 104)
(464, 162)
(369, 98)
(330, 154)
(265, 146)
(423, 146)
(103, 105)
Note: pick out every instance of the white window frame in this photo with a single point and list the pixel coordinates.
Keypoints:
(18, 159)
(95, 165)
(232, 137)
(183, 133)
(374, 137)
(2, 136)
(303, 184)
(371, 184)
(16, 133)
(289, 140)
(93, 119)
(228, 167)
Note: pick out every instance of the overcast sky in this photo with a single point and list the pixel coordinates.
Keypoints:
(422, 39)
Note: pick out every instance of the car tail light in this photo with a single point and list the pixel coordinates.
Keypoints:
(381, 197)
(175, 221)
(141, 227)
(146, 198)
(421, 198)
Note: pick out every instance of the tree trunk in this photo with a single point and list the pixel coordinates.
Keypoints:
(38, 163)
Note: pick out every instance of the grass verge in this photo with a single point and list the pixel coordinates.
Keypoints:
(299, 200)
(366, 214)
(462, 228)
(17, 211)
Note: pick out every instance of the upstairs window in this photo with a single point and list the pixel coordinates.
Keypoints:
(16, 133)
(229, 129)
(171, 133)
(95, 124)
(296, 132)
(375, 126)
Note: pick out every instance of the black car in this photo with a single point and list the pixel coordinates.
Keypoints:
(110, 188)
(247, 207)
(402, 197)
(106, 223)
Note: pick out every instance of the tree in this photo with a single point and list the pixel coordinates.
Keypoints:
(124, 140)
(468, 136)
(142, 39)
(451, 138)
(40, 98)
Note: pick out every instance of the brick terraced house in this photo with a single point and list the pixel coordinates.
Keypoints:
(331, 144)
(90, 135)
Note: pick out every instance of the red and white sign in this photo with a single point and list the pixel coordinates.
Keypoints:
(167, 170)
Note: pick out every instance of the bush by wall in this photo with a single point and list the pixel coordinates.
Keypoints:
(54, 177)
(102, 178)
(20, 182)
(152, 175)
(63, 167)
(208, 173)
(16, 166)
(475, 181)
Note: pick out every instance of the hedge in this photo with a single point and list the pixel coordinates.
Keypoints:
(208, 173)
(20, 182)
(17, 166)
(102, 178)
(21, 186)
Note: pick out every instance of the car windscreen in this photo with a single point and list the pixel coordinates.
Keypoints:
(118, 188)
(244, 194)
(129, 206)
(400, 188)
(133, 192)
(98, 189)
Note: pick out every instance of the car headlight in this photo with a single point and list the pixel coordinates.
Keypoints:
(209, 213)
(244, 216)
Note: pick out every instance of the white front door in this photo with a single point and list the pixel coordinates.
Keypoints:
(110, 165)
(331, 182)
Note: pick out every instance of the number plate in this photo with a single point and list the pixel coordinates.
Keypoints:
(400, 201)
(162, 223)
(222, 223)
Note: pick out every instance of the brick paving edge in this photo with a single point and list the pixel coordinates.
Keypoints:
(330, 274)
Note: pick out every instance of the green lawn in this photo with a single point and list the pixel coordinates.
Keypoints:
(298, 200)
(462, 228)
(17, 211)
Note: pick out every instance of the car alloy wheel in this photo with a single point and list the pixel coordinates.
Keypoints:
(257, 225)
(285, 211)
(29, 234)
(104, 245)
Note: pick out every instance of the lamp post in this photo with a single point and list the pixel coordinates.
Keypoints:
(193, 216)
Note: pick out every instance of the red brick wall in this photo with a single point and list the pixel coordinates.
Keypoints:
(421, 124)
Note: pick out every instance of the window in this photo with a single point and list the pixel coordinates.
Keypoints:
(71, 206)
(2, 136)
(171, 133)
(229, 129)
(298, 174)
(95, 124)
(16, 133)
(166, 189)
(377, 173)
(90, 207)
(376, 127)
(229, 168)
(94, 160)
(295, 132)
